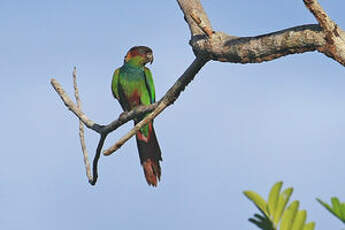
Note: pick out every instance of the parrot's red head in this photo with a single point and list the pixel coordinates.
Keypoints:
(140, 55)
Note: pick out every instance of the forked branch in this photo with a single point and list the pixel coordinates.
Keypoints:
(327, 38)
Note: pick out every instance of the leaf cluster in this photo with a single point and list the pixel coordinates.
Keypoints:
(275, 213)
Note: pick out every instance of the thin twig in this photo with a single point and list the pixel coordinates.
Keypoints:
(96, 158)
(81, 127)
(72, 107)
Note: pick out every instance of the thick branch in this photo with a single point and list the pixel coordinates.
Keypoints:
(194, 8)
(227, 48)
(300, 39)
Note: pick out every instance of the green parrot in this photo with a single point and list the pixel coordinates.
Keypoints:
(132, 85)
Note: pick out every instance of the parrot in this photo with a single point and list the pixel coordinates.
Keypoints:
(132, 85)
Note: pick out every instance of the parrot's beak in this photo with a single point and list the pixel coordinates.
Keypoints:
(149, 58)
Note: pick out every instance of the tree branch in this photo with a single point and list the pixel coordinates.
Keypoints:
(227, 48)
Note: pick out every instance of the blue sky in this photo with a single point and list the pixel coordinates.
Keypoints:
(236, 127)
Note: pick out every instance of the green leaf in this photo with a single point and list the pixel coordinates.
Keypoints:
(289, 216)
(309, 226)
(341, 208)
(324, 204)
(262, 222)
(300, 219)
(336, 207)
(258, 201)
(282, 201)
(273, 198)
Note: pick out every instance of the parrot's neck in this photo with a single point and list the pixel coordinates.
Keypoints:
(136, 62)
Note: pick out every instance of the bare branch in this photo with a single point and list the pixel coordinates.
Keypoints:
(267, 47)
(169, 98)
(72, 107)
(81, 127)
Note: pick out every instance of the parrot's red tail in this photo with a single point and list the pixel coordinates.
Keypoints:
(152, 171)
(150, 155)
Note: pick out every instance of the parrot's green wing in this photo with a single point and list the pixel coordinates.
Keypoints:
(114, 84)
(149, 84)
